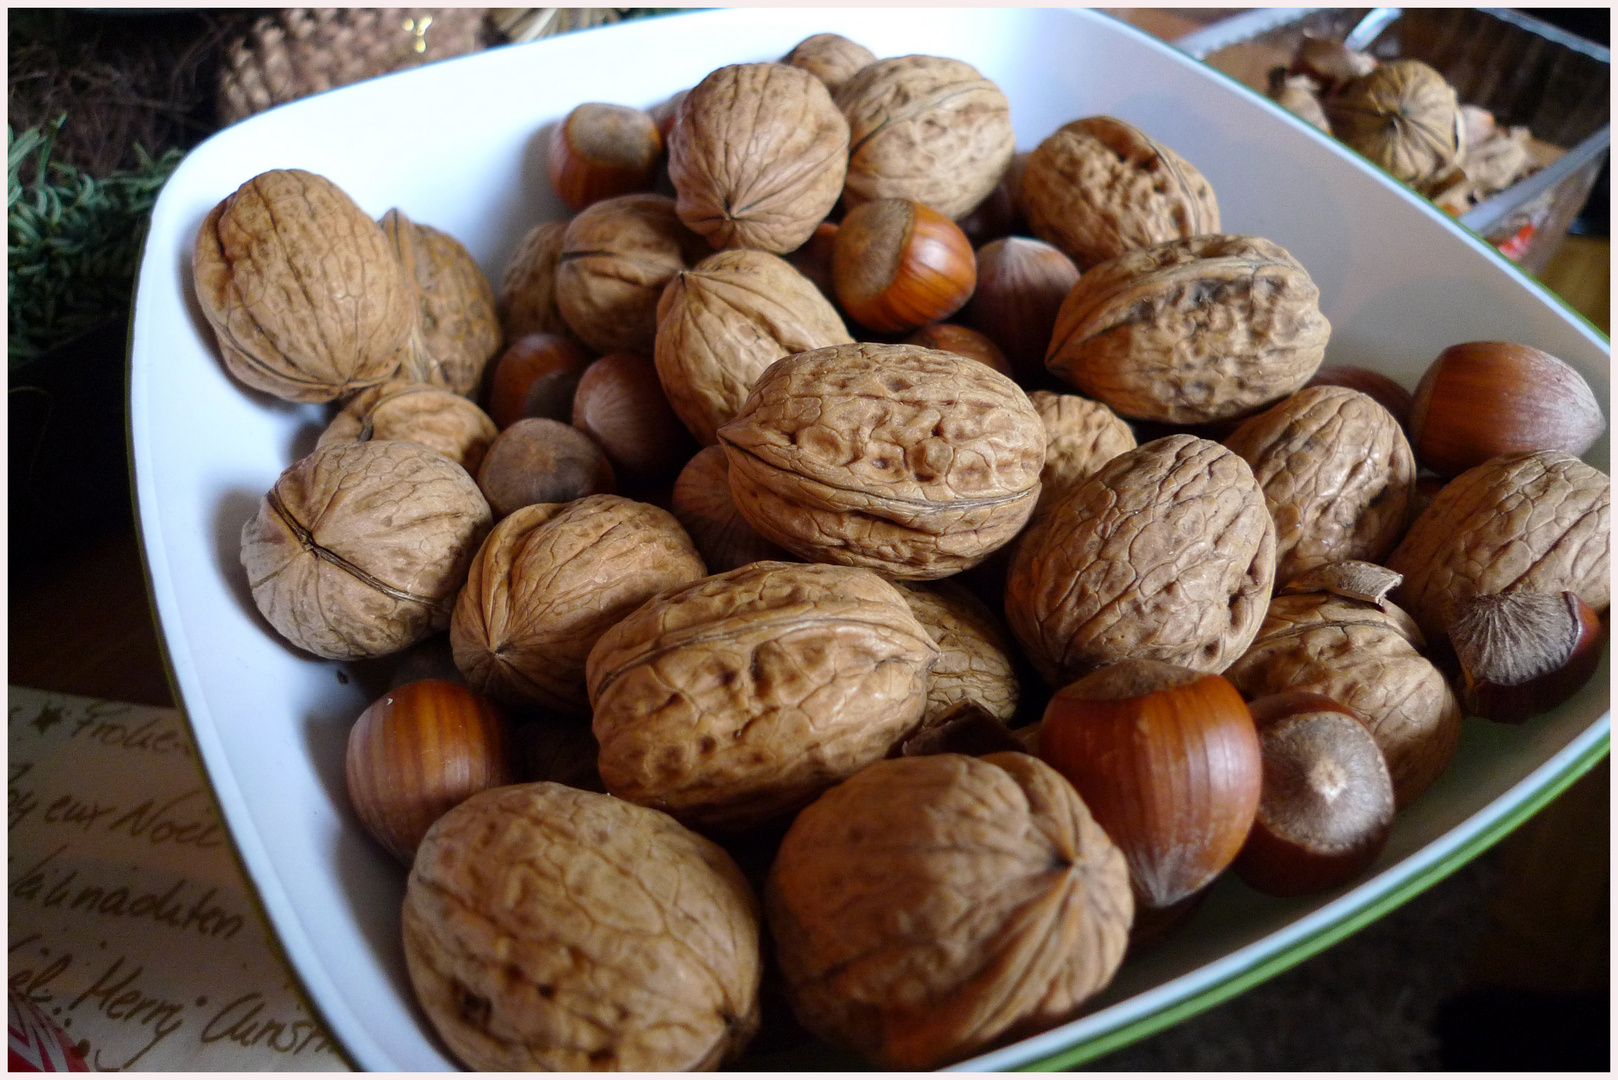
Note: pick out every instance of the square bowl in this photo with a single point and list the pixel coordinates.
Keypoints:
(458, 145)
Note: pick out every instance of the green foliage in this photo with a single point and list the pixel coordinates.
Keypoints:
(74, 241)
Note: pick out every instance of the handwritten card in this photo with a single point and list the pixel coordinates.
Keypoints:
(131, 923)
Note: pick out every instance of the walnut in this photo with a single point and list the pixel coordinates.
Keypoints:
(431, 416)
(925, 128)
(547, 928)
(1298, 94)
(757, 156)
(1080, 436)
(540, 460)
(1191, 331)
(932, 906)
(551, 578)
(721, 323)
(616, 256)
(1338, 476)
(831, 58)
(737, 699)
(1165, 553)
(528, 291)
(358, 548)
(1368, 657)
(301, 288)
(973, 652)
(701, 502)
(1535, 522)
(1403, 116)
(1099, 187)
(912, 461)
(457, 330)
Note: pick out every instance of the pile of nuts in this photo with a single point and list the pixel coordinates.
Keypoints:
(678, 682)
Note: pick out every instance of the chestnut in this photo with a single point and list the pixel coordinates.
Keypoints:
(536, 376)
(1326, 806)
(1482, 399)
(1168, 761)
(897, 264)
(599, 151)
(418, 751)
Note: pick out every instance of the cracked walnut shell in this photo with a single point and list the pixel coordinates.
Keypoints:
(301, 288)
(915, 462)
(1167, 553)
(549, 581)
(1099, 187)
(1367, 656)
(757, 156)
(358, 548)
(457, 331)
(1191, 331)
(925, 128)
(931, 906)
(721, 323)
(548, 928)
(1536, 522)
(737, 699)
(1338, 476)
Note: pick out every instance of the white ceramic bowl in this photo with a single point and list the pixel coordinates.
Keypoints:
(458, 146)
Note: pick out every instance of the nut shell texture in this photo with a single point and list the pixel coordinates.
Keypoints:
(1080, 436)
(1365, 657)
(757, 156)
(831, 58)
(1402, 115)
(457, 329)
(702, 502)
(616, 256)
(358, 548)
(925, 128)
(547, 928)
(721, 323)
(552, 578)
(1539, 522)
(1099, 187)
(432, 416)
(912, 461)
(931, 906)
(301, 288)
(973, 651)
(1338, 477)
(739, 698)
(1191, 331)
(1166, 553)
(528, 290)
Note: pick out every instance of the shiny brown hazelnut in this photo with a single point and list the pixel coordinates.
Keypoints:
(962, 340)
(621, 405)
(599, 151)
(538, 460)
(536, 376)
(897, 264)
(1020, 288)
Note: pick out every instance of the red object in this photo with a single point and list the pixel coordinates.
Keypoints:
(36, 1043)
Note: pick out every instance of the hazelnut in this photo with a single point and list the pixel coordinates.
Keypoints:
(537, 376)
(1523, 653)
(538, 460)
(1000, 214)
(359, 548)
(1326, 805)
(930, 907)
(431, 416)
(772, 195)
(302, 288)
(1021, 284)
(550, 579)
(457, 331)
(927, 129)
(419, 750)
(1168, 761)
(528, 290)
(621, 405)
(962, 340)
(897, 264)
(599, 151)
(702, 503)
(551, 929)
(1099, 187)
(721, 323)
(616, 256)
(831, 58)
(1487, 398)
